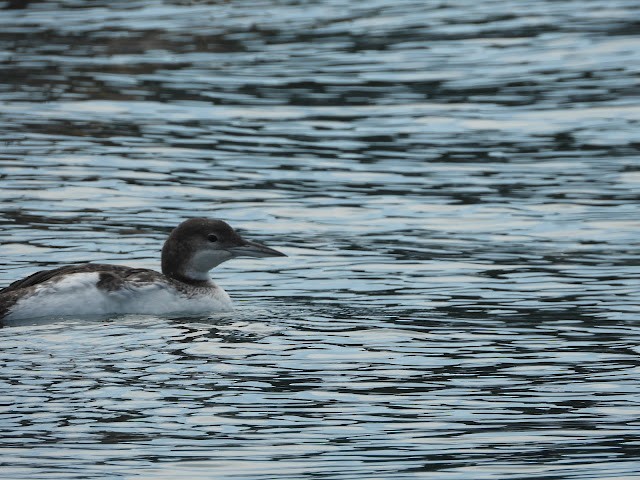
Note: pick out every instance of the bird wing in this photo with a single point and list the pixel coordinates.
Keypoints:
(44, 275)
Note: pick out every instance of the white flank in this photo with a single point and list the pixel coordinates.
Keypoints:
(76, 294)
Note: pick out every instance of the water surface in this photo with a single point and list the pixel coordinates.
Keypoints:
(456, 185)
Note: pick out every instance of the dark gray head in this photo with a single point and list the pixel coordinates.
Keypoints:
(197, 245)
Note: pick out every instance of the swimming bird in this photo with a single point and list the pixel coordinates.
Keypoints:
(192, 249)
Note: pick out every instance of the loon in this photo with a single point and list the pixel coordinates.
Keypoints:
(192, 249)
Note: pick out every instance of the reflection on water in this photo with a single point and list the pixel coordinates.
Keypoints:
(456, 186)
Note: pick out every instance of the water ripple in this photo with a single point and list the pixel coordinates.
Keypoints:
(456, 186)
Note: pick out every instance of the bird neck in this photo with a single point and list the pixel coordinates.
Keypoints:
(185, 264)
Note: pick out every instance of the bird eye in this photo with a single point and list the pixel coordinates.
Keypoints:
(212, 238)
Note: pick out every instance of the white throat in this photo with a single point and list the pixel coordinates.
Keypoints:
(204, 260)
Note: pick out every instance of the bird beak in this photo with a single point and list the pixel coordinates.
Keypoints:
(254, 249)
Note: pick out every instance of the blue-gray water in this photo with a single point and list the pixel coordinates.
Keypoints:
(456, 185)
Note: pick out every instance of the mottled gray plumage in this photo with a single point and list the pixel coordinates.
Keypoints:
(111, 276)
